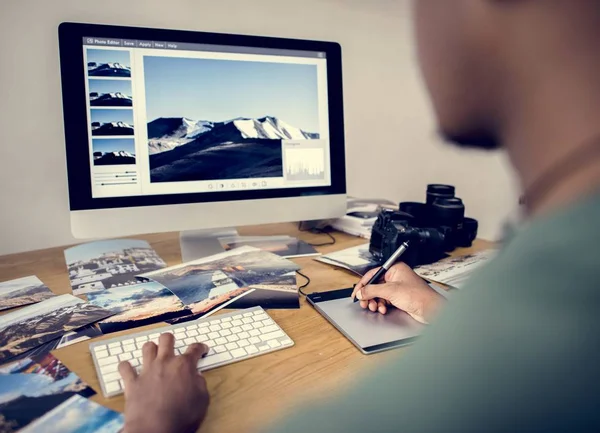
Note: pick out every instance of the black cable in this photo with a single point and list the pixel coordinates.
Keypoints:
(305, 285)
(318, 232)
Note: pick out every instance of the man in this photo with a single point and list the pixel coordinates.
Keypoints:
(516, 350)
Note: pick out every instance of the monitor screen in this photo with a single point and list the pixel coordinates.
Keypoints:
(158, 117)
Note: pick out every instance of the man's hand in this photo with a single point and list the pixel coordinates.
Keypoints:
(403, 289)
(169, 395)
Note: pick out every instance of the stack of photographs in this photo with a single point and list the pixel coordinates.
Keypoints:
(356, 259)
(284, 246)
(455, 271)
(23, 291)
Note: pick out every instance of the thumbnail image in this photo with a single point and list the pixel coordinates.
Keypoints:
(138, 305)
(78, 415)
(279, 293)
(203, 280)
(113, 151)
(105, 264)
(356, 259)
(40, 323)
(110, 93)
(33, 387)
(23, 291)
(284, 246)
(221, 119)
(108, 63)
(111, 122)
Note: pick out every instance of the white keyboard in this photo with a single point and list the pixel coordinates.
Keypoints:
(231, 337)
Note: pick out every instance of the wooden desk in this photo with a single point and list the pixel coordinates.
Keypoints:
(247, 395)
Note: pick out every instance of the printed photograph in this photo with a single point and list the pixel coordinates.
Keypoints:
(111, 122)
(283, 246)
(211, 305)
(113, 151)
(33, 387)
(110, 93)
(23, 291)
(40, 323)
(101, 265)
(454, 270)
(218, 275)
(282, 292)
(108, 63)
(138, 305)
(78, 415)
(356, 259)
(221, 119)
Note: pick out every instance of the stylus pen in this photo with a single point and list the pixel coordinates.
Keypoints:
(387, 265)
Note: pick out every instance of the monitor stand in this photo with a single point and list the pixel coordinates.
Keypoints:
(196, 244)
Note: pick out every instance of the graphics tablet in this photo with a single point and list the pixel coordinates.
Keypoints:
(370, 332)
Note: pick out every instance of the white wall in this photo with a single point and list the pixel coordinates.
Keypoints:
(389, 128)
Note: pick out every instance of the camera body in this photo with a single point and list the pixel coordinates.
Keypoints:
(433, 228)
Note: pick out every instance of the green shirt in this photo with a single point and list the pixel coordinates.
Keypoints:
(517, 349)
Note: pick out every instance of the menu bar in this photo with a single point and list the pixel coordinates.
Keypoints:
(183, 46)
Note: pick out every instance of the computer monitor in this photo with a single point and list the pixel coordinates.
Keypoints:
(171, 130)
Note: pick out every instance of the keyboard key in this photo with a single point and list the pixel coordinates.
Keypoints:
(238, 353)
(125, 356)
(117, 344)
(213, 335)
(203, 325)
(127, 342)
(274, 343)
(261, 317)
(220, 349)
(237, 317)
(192, 326)
(231, 346)
(237, 323)
(192, 333)
(153, 336)
(189, 341)
(107, 369)
(244, 335)
(221, 340)
(257, 325)
(113, 387)
(264, 347)
(272, 335)
(243, 343)
(249, 314)
(215, 328)
(141, 339)
(101, 354)
(251, 350)
(210, 352)
(226, 319)
(137, 353)
(255, 332)
(100, 349)
(232, 338)
(247, 327)
(247, 320)
(129, 348)
(202, 338)
(254, 340)
(106, 361)
(269, 328)
(203, 331)
(286, 342)
(268, 322)
(236, 329)
(111, 377)
(225, 332)
(226, 325)
(179, 343)
(116, 350)
(135, 362)
(258, 312)
(215, 359)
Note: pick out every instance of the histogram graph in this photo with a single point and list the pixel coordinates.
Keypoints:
(304, 164)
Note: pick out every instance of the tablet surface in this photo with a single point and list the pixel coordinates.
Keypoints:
(370, 332)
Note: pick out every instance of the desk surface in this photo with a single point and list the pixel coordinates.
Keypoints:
(247, 395)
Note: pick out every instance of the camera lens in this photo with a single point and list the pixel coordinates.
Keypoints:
(468, 234)
(448, 212)
(435, 191)
(417, 210)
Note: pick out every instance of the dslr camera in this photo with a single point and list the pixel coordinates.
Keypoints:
(432, 229)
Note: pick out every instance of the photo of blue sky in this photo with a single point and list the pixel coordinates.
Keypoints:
(219, 90)
(111, 86)
(108, 56)
(113, 145)
(112, 115)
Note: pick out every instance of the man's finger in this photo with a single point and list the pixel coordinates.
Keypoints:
(364, 304)
(127, 372)
(166, 346)
(149, 351)
(363, 281)
(195, 352)
(382, 306)
(373, 305)
(372, 291)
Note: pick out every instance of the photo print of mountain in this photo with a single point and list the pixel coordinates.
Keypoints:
(110, 93)
(113, 151)
(108, 63)
(111, 122)
(222, 119)
(23, 291)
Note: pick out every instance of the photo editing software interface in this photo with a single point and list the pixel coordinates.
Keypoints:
(173, 118)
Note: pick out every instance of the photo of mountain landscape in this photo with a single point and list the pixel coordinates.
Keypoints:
(111, 122)
(34, 386)
(222, 119)
(138, 305)
(48, 320)
(23, 291)
(110, 93)
(113, 151)
(108, 63)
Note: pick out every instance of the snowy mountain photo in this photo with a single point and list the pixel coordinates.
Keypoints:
(217, 119)
(112, 122)
(110, 93)
(108, 63)
(114, 151)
